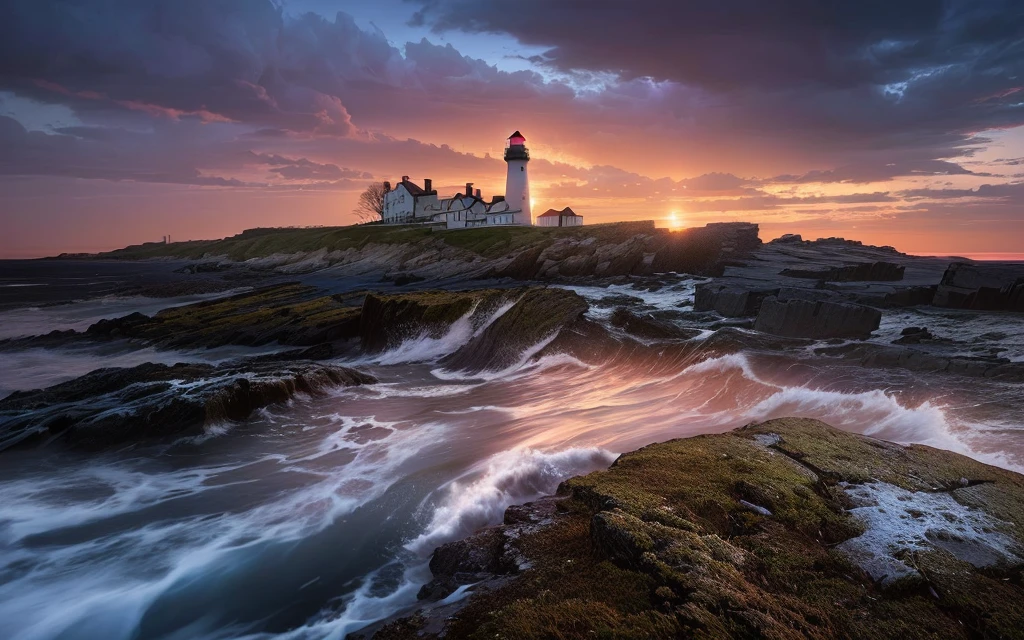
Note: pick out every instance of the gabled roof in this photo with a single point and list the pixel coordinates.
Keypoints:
(412, 187)
(552, 213)
(517, 135)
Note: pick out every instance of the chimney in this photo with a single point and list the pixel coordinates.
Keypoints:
(427, 183)
(478, 195)
(387, 186)
(405, 178)
(469, 189)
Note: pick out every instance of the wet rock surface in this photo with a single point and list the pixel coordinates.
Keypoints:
(120, 406)
(860, 272)
(797, 318)
(784, 529)
(993, 287)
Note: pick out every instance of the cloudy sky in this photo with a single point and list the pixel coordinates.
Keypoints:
(891, 122)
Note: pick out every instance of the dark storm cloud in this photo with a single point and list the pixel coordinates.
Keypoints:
(1012, 193)
(306, 169)
(879, 172)
(915, 73)
(212, 60)
(34, 153)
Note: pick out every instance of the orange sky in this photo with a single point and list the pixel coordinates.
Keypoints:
(275, 116)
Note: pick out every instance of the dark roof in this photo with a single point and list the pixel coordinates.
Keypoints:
(551, 213)
(517, 135)
(411, 187)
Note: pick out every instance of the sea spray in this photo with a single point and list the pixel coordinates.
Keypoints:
(425, 348)
(511, 477)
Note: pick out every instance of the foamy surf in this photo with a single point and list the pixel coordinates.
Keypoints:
(511, 477)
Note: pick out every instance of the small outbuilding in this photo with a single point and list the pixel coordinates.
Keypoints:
(564, 218)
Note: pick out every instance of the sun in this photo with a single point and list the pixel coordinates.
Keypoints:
(675, 220)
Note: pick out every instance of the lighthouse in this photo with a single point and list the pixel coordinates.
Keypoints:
(517, 183)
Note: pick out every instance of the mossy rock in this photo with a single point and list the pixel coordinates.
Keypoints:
(538, 316)
(388, 320)
(743, 535)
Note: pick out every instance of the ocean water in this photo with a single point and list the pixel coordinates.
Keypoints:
(315, 519)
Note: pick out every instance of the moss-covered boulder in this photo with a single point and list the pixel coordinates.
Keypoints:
(388, 320)
(533, 320)
(290, 314)
(784, 529)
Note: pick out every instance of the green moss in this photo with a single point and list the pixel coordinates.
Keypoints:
(290, 314)
(660, 545)
(488, 242)
(259, 243)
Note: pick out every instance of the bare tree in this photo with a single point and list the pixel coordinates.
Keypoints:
(370, 206)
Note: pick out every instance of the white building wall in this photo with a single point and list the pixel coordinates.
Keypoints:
(398, 205)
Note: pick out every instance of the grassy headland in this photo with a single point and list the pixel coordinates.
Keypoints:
(488, 242)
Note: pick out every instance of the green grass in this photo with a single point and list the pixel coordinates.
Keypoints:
(259, 243)
(487, 242)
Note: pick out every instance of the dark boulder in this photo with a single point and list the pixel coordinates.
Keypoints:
(117, 406)
(817, 320)
(788, 238)
(862, 271)
(730, 301)
(648, 327)
(913, 335)
(387, 321)
(990, 287)
(703, 250)
(537, 317)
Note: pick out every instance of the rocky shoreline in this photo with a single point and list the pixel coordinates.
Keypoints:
(784, 529)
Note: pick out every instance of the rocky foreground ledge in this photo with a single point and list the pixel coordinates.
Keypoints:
(784, 529)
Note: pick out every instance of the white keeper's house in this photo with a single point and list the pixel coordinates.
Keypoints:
(564, 218)
(409, 203)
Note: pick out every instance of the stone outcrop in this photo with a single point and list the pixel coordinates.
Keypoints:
(417, 251)
(648, 327)
(118, 406)
(785, 529)
(990, 287)
(730, 301)
(387, 321)
(800, 318)
(862, 271)
(538, 315)
(289, 314)
(913, 359)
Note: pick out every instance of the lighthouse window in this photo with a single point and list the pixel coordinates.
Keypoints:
(522, 168)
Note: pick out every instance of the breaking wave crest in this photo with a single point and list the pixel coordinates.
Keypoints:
(876, 412)
(511, 477)
(424, 347)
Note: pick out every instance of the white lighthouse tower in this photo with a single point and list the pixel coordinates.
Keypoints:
(517, 184)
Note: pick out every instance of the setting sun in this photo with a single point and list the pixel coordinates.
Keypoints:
(675, 221)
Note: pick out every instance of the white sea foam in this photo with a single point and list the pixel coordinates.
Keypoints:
(899, 521)
(425, 348)
(118, 576)
(38, 368)
(876, 412)
(511, 477)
